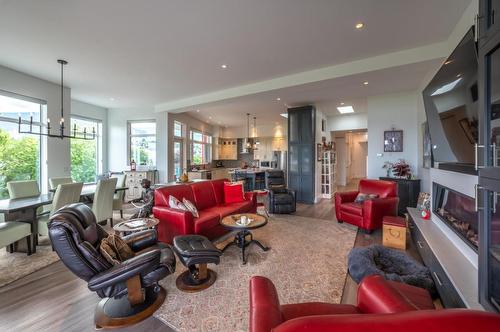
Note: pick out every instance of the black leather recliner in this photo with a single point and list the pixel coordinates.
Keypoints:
(130, 290)
(280, 200)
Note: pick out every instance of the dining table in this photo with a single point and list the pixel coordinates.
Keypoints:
(25, 209)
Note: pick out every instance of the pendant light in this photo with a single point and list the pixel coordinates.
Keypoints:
(248, 145)
(75, 133)
(255, 140)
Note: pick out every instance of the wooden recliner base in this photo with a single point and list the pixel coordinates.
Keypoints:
(114, 313)
(205, 278)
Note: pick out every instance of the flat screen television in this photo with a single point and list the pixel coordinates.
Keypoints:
(451, 105)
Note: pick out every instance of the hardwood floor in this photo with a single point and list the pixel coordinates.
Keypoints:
(53, 299)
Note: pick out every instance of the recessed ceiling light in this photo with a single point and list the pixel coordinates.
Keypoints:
(285, 115)
(210, 117)
(223, 66)
(342, 103)
(360, 25)
(345, 109)
(112, 99)
(197, 111)
(278, 99)
(448, 62)
(459, 75)
(365, 82)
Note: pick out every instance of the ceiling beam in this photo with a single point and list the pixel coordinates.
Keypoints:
(384, 61)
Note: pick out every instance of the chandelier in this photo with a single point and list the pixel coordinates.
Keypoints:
(75, 133)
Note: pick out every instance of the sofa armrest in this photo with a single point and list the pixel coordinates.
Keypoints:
(251, 196)
(265, 311)
(377, 296)
(141, 240)
(345, 197)
(146, 261)
(173, 222)
(374, 211)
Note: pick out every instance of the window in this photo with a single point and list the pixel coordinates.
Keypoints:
(19, 153)
(86, 156)
(179, 132)
(142, 142)
(201, 148)
(178, 129)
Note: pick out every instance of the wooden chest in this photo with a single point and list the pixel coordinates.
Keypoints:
(394, 232)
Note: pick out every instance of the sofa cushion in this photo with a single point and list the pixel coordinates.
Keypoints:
(233, 193)
(178, 191)
(352, 208)
(208, 219)
(191, 207)
(204, 196)
(224, 210)
(218, 186)
(243, 207)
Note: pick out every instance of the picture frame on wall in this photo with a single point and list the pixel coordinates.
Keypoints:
(427, 146)
(319, 151)
(393, 141)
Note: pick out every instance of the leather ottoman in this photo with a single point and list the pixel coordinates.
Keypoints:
(394, 232)
(195, 252)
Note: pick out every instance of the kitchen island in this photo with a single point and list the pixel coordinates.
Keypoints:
(255, 178)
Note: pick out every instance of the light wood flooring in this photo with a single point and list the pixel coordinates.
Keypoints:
(53, 299)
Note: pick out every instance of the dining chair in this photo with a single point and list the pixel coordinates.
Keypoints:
(13, 231)
(54, 182)
(65, 194)
(26, 188)
(103, 200)
(118, 196)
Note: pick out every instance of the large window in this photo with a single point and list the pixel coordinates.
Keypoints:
(19, 153)
(86, 156)
(142, 142)
(201, 148)
(179, 133)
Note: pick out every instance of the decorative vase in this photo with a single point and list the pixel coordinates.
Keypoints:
(184, 177)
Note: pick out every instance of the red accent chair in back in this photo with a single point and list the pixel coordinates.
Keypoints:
(367, 215)
(381, 306)
(208, 197)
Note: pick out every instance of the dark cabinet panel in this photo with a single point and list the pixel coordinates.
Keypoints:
(301, 153)
(488, 20)
(408, 191)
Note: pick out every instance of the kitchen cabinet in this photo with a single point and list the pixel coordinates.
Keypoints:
(216, 148)
(264, 149)
(228, 149)
(279, 144)
(220, 173)
(200, 175)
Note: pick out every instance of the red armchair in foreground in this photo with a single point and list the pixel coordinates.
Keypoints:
(208, 196)
(367, 215)
(391, 306)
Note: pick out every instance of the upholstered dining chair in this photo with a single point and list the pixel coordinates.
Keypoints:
(54, 182)
(65, 194)
(103, 200)
(13, 231)
(129, 288)
(118, 196)
(26, 188)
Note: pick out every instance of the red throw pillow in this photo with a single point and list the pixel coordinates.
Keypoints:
(233, 193)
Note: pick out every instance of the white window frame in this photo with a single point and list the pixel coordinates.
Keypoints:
(99, 146)
(208, 146)
(129, 138)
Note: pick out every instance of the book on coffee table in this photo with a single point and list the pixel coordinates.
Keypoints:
(135, 223)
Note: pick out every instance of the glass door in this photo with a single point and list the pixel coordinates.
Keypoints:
(178, 158)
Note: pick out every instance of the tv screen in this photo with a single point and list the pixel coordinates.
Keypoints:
(451, 105)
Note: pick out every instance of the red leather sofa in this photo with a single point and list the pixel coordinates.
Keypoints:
(208, 196)
(367, 215)
(381, 306)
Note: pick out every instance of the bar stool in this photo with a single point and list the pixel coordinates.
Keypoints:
(261, 199)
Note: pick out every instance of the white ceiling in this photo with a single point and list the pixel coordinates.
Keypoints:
(326, 95)
(142, 53)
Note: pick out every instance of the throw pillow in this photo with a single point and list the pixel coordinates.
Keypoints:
(176, 204)
(115, 250)
(191, 207)
(233, 193)
(364, 197)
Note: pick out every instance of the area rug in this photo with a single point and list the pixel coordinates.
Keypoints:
(17, 265)
(307, 262)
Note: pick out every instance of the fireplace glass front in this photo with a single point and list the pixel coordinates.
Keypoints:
(457, 211)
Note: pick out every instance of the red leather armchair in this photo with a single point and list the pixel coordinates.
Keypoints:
(369, 214)
(208, 196)
(381, 306)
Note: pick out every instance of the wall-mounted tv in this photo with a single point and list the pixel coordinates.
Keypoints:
(451, 105)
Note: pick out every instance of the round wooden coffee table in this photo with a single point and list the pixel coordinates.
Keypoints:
(123, 228)
(240, 239)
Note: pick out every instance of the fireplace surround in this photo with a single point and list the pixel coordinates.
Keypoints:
(457, 211)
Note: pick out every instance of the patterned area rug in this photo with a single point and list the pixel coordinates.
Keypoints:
(307, 262)
(17, 265)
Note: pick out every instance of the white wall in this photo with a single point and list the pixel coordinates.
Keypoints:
(276, 129)
(97, 113)
(347, 122)
(57, 151)
(359, 151)
(398, 111)
(117, 137)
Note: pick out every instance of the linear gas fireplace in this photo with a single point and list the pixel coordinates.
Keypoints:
(457, 211)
